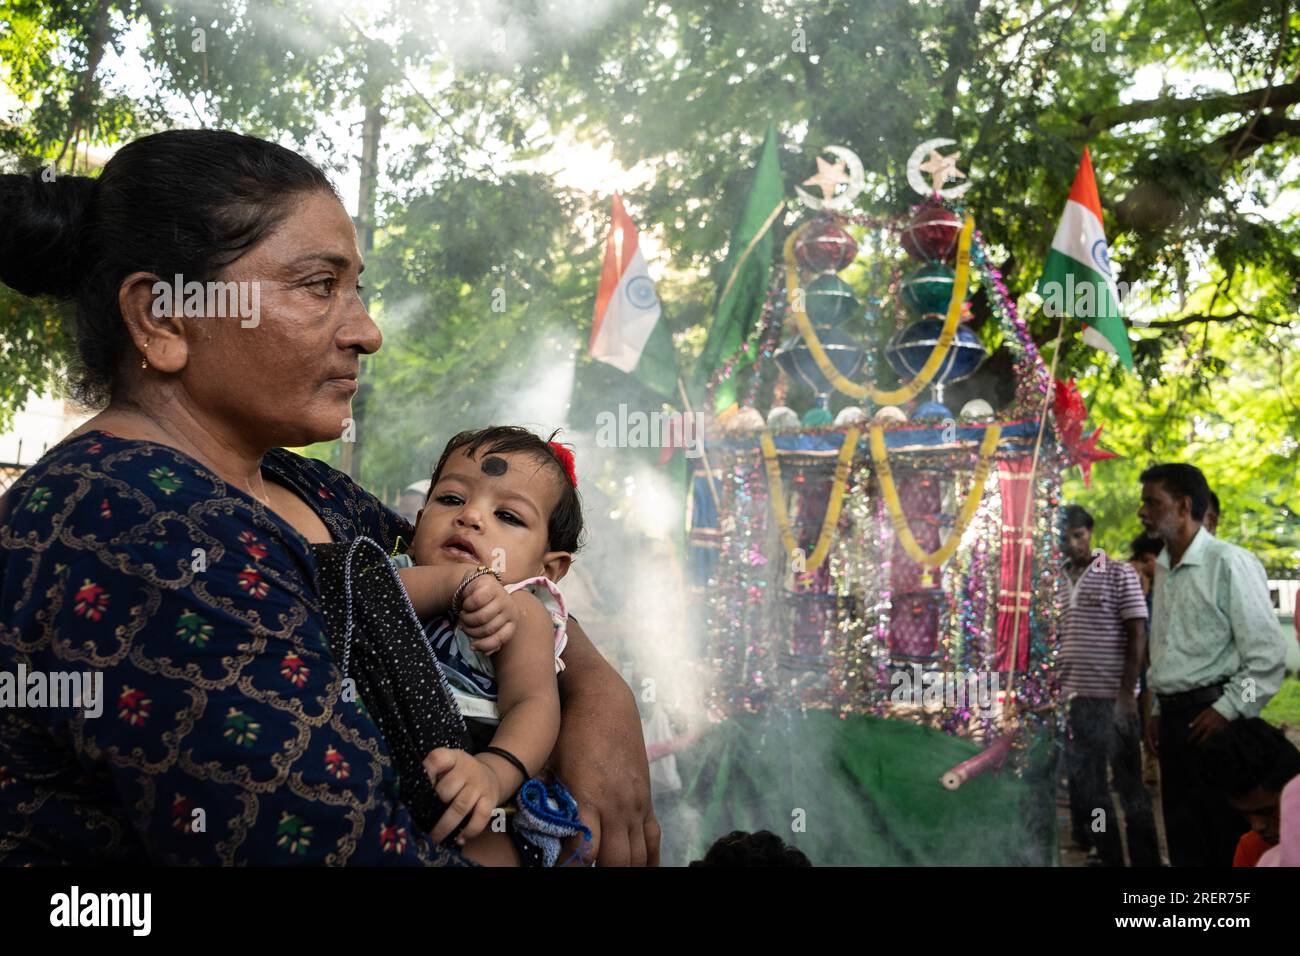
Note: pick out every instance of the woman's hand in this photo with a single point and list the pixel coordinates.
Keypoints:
(600, 756)
(468, 786)
(487, 614)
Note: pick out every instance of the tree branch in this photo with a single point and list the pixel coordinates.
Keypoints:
(153, 13)
(1004, 37)
(1196, 319)
(1151, 206)
(1253, 135)
(1209, 41)
(1206, 107)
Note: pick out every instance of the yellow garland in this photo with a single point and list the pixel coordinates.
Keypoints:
(905, 392)
(777, 492)
(933, 559)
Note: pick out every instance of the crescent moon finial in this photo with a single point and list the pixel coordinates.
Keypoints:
(854, 186)
(927, 157)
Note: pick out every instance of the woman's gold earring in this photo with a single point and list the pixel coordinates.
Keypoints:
(144, 362)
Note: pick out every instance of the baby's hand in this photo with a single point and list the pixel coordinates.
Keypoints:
(487, 614)
(469, 788)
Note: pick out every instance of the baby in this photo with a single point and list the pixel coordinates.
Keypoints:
(503, 506)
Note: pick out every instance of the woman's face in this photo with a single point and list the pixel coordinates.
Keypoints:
(286, 374)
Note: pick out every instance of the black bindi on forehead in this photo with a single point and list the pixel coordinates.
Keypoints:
(495, 466)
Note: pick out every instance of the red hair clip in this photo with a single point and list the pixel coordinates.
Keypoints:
(565, 457)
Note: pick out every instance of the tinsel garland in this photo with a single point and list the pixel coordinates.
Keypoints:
(968, 630)
(752, 611)
(767, 345)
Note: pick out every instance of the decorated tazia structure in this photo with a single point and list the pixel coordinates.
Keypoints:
(879, 580)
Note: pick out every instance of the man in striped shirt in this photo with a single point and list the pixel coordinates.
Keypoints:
(1103, 642)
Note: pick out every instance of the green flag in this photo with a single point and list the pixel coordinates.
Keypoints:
(745, 275)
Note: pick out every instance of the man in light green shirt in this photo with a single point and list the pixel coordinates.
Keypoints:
(1213, 624)
(1216, 655)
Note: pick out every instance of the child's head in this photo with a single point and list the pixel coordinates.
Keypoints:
(1250, 761)
(504, 498)
(1146, 549)
(763, 848)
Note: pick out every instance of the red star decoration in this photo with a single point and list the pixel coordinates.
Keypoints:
(1070, 416)
(1086, 452)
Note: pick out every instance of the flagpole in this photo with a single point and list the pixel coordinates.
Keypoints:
(1025, 516)
(708, 469)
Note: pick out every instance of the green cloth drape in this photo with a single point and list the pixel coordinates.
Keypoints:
(865, 791)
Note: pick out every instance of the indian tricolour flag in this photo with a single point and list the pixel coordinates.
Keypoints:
(1077, 279)
(625, 329)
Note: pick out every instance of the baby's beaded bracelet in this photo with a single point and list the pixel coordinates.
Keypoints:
(478, 572)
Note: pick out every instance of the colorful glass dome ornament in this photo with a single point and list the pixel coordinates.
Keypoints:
(911, 347)
(782, 416)
(931, 411)
(928, 290)
(817, 417)
(829, 301)
(747, 419)
(796, 360)
(931, 236)
(976, 409)
(851, 414)
(826, 247)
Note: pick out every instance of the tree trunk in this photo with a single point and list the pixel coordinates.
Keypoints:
(372, 127)
(961, 53)
(81, 109)
(370, 131)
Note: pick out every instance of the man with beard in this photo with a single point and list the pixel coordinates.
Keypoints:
(1216, 656)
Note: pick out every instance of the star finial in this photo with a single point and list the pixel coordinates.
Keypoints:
(829, 175)
(942, 168)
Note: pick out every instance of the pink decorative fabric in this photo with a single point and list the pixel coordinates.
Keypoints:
(1014, 596)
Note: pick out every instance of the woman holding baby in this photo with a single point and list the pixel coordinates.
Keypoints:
(169, 542)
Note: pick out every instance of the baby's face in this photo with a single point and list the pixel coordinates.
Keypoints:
(492, 510)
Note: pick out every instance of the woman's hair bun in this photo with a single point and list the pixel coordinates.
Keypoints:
(38, 231)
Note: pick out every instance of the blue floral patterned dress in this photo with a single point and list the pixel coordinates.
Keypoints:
(223, 737)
